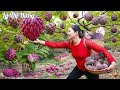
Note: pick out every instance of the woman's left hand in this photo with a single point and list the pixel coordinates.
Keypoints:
(111, 67)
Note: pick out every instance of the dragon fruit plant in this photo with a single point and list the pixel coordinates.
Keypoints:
(33, 57)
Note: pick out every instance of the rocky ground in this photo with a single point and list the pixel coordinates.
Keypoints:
(62, 70)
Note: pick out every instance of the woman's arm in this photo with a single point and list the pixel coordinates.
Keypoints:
(39, 41)
(53, 44)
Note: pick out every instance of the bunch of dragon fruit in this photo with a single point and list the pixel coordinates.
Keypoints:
(32, 28)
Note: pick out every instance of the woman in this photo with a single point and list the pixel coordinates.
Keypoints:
(79, 46)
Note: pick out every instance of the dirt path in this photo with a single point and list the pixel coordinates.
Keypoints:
(64, 74)
(63, 71)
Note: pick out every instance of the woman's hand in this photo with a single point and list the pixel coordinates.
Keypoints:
(36, 41)
(39, 41)
(111, 67)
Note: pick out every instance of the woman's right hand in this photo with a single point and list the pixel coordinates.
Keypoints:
(39, 41)
(36, 41)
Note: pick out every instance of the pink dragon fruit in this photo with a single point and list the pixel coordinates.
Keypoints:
(33, 57)
(10, 72)
(10, 54)
(32, 28)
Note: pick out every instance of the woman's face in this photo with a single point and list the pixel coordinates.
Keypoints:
(71, 34)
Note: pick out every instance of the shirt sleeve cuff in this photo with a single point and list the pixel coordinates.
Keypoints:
(46, 43)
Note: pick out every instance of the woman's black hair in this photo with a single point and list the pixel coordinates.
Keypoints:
(77, 28)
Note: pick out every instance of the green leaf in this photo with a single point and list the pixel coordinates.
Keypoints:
(23, 60)
(39, 52)
(32, 45)
(29, 47)
(45, 51)
(2, 57)
(33, 66)
(43, 37)
(4, 60)
(21, 54)
(46, 48)
(41, 56)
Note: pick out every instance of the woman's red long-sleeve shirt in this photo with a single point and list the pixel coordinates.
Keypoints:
(80, 52)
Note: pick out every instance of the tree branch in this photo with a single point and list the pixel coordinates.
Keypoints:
(70, 18)
(82, 24)
(104, 25)
(112, 37)
(103, 12)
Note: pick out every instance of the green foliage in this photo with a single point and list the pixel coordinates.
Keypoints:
(32, 66)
